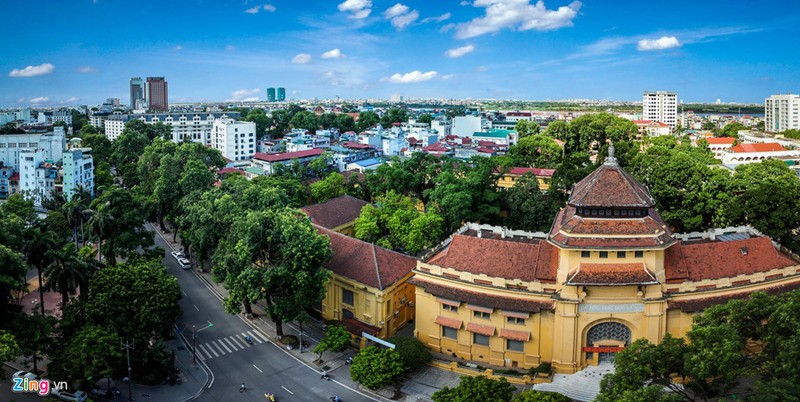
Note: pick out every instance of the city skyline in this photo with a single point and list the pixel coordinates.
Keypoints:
(505, 49)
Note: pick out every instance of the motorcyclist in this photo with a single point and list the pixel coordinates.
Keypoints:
(249, 339)
(241, 389)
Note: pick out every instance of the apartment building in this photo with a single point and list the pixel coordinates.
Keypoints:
(660, 106)
(782, 112)
(11, 145)
(195, 127)
(236, 140)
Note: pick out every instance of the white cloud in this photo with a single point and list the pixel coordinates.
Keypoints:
(21, 100)
(332, 54)
(400, 15)
(244, 95)
(443, 17)
(412, 77)
(459, 51)
(519, 15)
(177, 48)
(41, 99)
(395, 10)
(358, 9)
(71, 100)
(664, 42)
(86, 69)
(481, 69)
(256, 9)
(447, 27)
(464, 3)
(447, 76)
(32, 71)
(302, 58)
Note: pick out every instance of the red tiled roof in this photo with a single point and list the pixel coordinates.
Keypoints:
(14, 177)
(359, 176)
(486, 150)
(610, 186)
(487, 330)
(531, 260)
(699, 304)
(593, 232)
(519, 114)
(355, 145)
(650, 123)
(435, 148)
(538, 172)
(412, 141)
(448, 322)
(230, 170)
(611, 274)
(335, 212)
(522, 336)
(722, 259)
(285, 156)
(755, 147)
(356, 327)
(483, 299)
(364, 262)
(720, 140)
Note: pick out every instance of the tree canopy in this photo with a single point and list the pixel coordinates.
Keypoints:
(479, 388)
(375, 367)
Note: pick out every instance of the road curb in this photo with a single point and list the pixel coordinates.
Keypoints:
(209, 374)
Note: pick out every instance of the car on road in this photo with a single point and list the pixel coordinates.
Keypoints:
(77, 396)
(177, 254)
(184, 263)
(25, 374)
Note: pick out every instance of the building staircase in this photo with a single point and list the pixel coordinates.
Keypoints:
(581, 386)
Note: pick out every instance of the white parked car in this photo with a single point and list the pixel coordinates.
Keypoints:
(184, 263)
(77, 396)
(25, 374)
(177, 254)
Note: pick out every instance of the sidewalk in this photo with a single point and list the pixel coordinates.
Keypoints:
(193, 379)
(418, 387)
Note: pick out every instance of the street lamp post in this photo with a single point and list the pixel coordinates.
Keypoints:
(128, 346)
(194, 345)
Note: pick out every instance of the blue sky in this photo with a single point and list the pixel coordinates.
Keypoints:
(69, 52)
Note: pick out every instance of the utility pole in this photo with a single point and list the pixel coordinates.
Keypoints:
(128, 346)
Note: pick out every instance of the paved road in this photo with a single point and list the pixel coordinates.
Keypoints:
(263, 367)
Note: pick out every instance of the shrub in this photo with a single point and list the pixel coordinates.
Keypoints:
(413, 352)
(375, 368)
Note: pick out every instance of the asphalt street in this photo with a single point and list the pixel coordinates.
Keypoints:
(263, 366)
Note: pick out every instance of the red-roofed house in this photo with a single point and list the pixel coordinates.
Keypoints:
(608, 272)
(720, 145)
(338, 214)
(755, 152)
(368, 289)
(652, 128)
(267, 162)
(510, 178)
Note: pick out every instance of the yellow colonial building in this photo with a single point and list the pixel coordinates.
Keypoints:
(368, 290)
(543, 177)
(608, 272)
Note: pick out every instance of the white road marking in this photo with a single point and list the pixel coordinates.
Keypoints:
(236, 341)
(218, 346)
(184, 294)
(259, 370)
(287, 390)
(259, 335)
(255, 338)
(230, 343)
(195, 307)
(208, 345)
(201, 348)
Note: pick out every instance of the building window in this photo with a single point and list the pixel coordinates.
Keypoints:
(586, 254)
(448, 307)
(347, 297)
(620, 254)
(479, 339)
(448, 332)
(604, 254)
(347, 313)
(638, 254)
(481, 314)
(515, 320)
(516, 346)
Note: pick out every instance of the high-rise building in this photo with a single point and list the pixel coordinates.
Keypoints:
(781, 113)
(77, 171)
(236, 140)
(157, 93)
(660, 106)
(271, 94)
(137, 91)
(281, 94)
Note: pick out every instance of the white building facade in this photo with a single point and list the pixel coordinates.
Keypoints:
(195, 127)
(236, 140)
(52, 144)
(781, 113)
(660, 106)
(77, 170)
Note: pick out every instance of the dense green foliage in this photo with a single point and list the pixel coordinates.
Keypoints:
(540, 396)
(731, 348)
(414, 353)
(336, 339)
(375, 367)
(398, 225)
(478, 388)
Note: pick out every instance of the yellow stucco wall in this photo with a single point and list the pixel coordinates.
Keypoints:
(507, 181)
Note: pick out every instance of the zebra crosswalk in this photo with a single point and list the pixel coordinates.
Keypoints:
(230, 344)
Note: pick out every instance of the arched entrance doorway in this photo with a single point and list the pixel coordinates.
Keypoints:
(604, 340)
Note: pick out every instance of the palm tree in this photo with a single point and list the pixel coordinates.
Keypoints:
(66, 271)
(99, 224)
(72, 212)
(37, 245)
